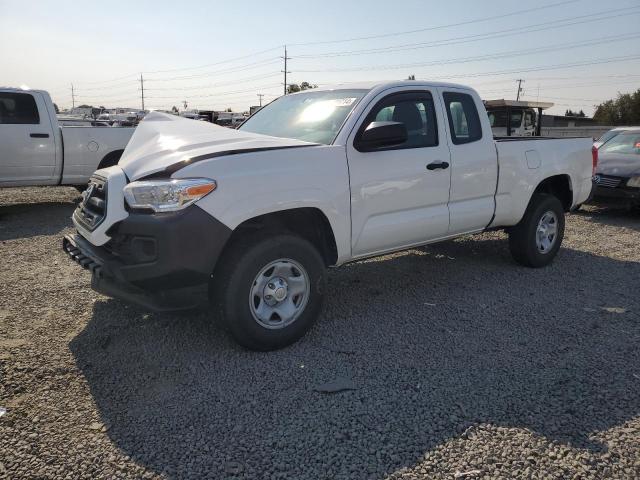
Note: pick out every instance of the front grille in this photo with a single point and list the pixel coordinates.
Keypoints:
(93, 207)
(607, 181)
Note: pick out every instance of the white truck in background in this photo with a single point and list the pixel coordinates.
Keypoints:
(516, 118)
(36, 150)
(314, 179)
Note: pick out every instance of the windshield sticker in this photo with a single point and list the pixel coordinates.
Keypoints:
(344, 102)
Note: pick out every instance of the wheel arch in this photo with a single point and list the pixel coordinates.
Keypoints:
(309, 222)
(559, 186)
(110, 159)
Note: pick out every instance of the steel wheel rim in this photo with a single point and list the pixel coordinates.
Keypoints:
(547, 232)
(279, 293)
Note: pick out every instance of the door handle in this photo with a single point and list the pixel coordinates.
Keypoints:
(39, 135)
(434, 165)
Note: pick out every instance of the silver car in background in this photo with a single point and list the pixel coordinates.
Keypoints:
(610, 134)
(617, 177)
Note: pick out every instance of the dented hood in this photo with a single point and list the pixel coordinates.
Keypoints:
(164, 141)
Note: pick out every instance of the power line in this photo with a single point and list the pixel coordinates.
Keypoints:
(493, 56)
(261, 87)
(439, 27)
(219, 84)
(126, 85)
(573, 77)
(542, 68)
(599, 16)
(216, 63)
(248, 66)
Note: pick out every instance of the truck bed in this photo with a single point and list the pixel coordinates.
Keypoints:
(543, 157)
(519, 139)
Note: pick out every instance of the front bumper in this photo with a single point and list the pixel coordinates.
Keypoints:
(161, 261)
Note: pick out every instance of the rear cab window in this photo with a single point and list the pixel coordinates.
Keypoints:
(18, 109)
(462, 114)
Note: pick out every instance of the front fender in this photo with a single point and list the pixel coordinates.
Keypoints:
(258, 183)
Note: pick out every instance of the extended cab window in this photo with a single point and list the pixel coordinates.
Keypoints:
(464, 121)
(415, 111)
(18, 108)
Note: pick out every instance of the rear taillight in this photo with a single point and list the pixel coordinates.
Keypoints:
(594, 157)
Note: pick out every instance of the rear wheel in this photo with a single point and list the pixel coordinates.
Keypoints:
(535, 241)
(269, 291)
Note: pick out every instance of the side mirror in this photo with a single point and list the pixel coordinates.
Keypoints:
(382, 134)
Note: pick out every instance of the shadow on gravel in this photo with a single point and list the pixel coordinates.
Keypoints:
(34, 219)
(614, 216)
(436, 340)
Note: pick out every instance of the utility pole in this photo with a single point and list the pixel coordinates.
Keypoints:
(142, 90)
(260, 95)
(519, 88)
(73, 97)
(285, 69)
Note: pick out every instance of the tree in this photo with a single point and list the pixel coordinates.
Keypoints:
(228, 109)
(174, 109)
(411, 77)
(571, 113)
(623, 110)
(55, 107)
(294, 87)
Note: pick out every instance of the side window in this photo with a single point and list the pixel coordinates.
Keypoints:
(464, 121)
(18, 108)
(415, 110)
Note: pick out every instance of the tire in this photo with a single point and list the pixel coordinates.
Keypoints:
(523, 238)
(245, 275)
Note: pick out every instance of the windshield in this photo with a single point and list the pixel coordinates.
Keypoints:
(625, 143)
(310, 116)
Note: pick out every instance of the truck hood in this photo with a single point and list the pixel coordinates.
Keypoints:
(619, 165)
(164, 143)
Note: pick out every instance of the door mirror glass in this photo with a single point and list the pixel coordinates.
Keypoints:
(382, 134)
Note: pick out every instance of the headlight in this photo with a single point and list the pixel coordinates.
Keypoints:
(167, 195)
(634, 182)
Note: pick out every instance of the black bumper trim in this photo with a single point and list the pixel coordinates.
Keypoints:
(72, 244)
(626, 195)
(186, 246)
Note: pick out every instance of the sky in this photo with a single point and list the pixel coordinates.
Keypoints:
(214, 55)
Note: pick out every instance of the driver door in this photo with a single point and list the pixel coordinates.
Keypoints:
(399, 193)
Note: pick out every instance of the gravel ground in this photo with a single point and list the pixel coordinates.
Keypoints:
(461, 364)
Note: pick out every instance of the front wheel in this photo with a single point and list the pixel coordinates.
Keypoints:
(535, 241)
(269, 291)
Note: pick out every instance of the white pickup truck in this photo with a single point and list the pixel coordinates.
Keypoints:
(314, 179)
(36, 150)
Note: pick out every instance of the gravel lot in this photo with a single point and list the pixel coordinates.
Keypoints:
(462, 364)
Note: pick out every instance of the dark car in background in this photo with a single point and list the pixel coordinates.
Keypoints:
(617, 177)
